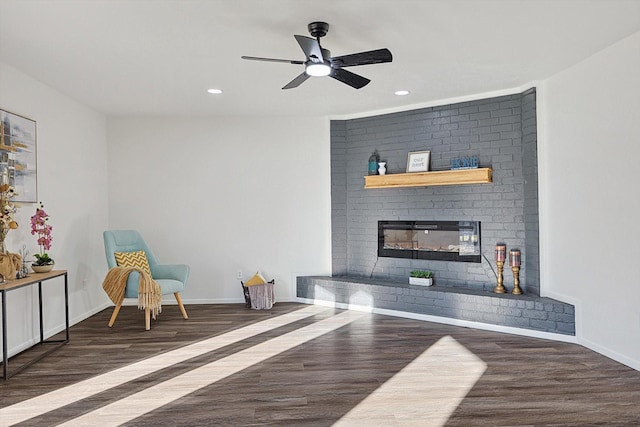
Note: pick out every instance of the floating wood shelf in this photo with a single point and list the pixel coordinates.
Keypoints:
(426, 179)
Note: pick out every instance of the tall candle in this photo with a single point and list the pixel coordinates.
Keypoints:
(501, 252)
(514, 258)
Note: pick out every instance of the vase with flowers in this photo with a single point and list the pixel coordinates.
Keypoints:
(7, 210)
(41, 228)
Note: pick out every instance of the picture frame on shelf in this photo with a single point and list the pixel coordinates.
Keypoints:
(418, 161)
(18, 154)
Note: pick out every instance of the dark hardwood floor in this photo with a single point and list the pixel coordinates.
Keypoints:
(357, 371)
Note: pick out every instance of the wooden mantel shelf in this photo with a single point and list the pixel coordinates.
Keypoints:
(426, 179)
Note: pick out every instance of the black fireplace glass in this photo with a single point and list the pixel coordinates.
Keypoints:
(433, 240)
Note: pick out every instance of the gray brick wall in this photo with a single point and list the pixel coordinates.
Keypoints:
(492, 129)
(530, 174)
(339, 197)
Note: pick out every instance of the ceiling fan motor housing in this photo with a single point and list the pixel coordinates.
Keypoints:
(318, 29)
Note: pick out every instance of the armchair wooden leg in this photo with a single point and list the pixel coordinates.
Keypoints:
(116, 310)
(147, 318)
(184, 312)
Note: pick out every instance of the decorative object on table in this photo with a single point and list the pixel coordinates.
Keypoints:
(40, 226)
(9, 265)
(418, 161)
(24, 271)
(41, 268)
(382, 168)
(18, 136)
(514, 263)
(465, 163)
(374, 159)
(501, 254)
(421, 277)
(258, 293)
(7, 207)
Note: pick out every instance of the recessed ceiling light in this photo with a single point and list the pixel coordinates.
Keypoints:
(401, 92)
(215, 91)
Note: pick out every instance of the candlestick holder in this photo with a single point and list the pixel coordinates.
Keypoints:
(500, 289)
(516, 280)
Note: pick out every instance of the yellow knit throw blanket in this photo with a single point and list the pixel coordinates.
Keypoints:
(149, 293)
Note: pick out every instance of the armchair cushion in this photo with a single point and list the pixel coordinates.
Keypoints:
(179, 272)
(133, 259)
(167, 286)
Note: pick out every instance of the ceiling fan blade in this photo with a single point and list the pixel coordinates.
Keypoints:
(311, 48)
(288, 61)
(297, 81)
(363, 58)
(347, 77)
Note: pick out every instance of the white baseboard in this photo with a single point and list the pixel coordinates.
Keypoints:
(170, 300)
(632, 363)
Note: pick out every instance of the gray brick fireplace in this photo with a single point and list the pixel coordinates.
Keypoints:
(502, 133)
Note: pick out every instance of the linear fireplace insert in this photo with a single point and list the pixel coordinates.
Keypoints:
(435, 240)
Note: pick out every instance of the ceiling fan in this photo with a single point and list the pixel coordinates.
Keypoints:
(320, 63)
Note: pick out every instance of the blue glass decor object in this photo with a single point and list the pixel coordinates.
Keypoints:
(464, 163)
(374, 158)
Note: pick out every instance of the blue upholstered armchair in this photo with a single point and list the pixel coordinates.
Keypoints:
(171, 278)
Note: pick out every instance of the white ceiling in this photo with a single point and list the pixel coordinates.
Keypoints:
(158, 57)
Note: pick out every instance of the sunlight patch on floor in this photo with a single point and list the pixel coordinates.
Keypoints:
(168, 391)
(424, 393)
(75, 392)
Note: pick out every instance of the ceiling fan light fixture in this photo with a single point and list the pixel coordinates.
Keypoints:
(318, 61)
(318, 69)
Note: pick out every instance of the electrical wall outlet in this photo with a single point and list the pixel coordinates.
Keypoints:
(84, 284)
(239, 274)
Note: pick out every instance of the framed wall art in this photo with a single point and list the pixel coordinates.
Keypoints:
(18, 155)
(418, 161)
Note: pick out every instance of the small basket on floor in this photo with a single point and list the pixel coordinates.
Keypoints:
(260, 296)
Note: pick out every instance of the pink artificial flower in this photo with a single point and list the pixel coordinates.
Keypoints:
(40, 227)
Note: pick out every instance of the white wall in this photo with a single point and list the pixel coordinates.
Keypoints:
(225, 194)
(589, 197)
(72, 183)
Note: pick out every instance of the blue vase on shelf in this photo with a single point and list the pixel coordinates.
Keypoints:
(374, 159)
